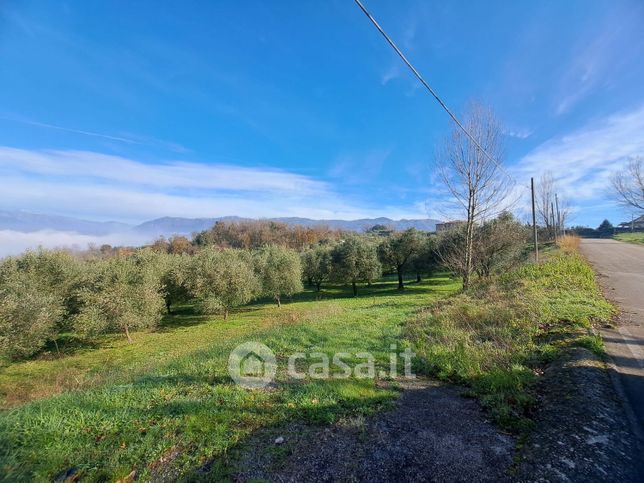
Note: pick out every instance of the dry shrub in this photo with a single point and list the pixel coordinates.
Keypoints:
(569, 243)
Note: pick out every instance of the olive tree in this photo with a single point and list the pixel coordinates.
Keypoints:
(280, 271)
(355, 259)
(57, 273)
(119, 294)
(221, 279)
(425, 260)
(317, 265)
(29, 313)
(397, 250)
(174, 279)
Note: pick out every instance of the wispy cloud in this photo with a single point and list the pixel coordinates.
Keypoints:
(83, 165)
(359, 168)
(602, 53)
(583, 161)
(520, 133)
(99, 186)
(131, 139)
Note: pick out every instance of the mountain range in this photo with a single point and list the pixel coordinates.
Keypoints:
(25, 222)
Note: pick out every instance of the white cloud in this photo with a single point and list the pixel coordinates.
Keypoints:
(393, 72)
(520, 133)
(583, 161)
(177, 174)
(97, 186)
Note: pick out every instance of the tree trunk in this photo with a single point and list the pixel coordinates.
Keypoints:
(401, 285)
(418, 278)
(317, 286)
(355, 288)
(277, 299)
(469, 240)
(225, 314)
(127, 333)
(167, 306)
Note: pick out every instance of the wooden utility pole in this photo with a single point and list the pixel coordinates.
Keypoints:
(554, 222)
(558, 215)
(534, 224)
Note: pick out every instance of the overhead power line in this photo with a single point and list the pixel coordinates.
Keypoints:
(431, 90)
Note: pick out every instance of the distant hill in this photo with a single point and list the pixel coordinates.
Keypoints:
(25, 222)
(167, 226)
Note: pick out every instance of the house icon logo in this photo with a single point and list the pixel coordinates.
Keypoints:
(252, 365)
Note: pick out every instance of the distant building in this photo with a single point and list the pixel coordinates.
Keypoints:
(449, 225)
(636, 224)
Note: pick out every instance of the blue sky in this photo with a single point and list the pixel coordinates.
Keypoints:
(134, 110)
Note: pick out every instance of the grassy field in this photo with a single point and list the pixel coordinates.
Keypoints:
(167, 403)
(125, 407)
(631, 237)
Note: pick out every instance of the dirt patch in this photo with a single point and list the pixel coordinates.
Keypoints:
(431, 434)
(581, 432)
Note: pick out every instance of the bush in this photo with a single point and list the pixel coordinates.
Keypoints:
(498, 246)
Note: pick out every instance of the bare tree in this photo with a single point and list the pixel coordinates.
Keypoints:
(629, 184)
(545, 200)
(474, 179)
(552, 210)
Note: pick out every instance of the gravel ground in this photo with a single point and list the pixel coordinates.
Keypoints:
(432, 434)
(582, 433)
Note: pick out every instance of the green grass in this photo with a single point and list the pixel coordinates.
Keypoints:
(631, 237)
(104, 410)
(123, 407)
(496, 337)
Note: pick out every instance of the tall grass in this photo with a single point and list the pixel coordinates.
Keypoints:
(494, 337)
(569, 243)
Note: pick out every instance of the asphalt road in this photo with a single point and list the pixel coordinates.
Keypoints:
(621, 272)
